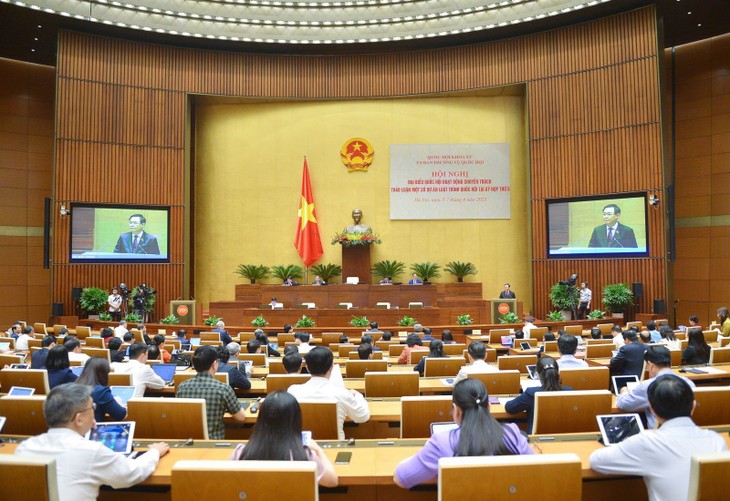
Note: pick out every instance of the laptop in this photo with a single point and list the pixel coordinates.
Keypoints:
(116, 435)
(165, 371)
(619, 382)
(532, 371)
(507, 341)
(195, 341)
(20, 391)
(5, 346)
(445, 426)
(19, 366)
(122, 394)
(618, 427)
(77, 370)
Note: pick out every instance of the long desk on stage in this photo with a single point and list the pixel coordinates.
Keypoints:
(360, 295)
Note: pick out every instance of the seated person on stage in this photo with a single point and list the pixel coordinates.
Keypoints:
(73, 346)
(658, 364)
(82, 466)
(507, 293)
(447, 337)
(350, 403)
(58, 367)
(236, 378)
(143, 376)
(548, 370)
(413, 343)
(415, 280)
(697, 351)
(302, 340)
(277, 436)
(219, 398)
(662, 455)
(289, 281)
(115, 352)
(630, 357)
(477, 353)
(365, 351)
(386, 281)
(436, 350)
(567, 346)
(38, 358)
(478, 434)
(318, 281)
(220, 328)
(617, 336)
(292, 363)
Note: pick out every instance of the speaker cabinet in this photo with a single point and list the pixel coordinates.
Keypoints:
(76, 293)
(57, 309)
(660, 308)
(638, 289)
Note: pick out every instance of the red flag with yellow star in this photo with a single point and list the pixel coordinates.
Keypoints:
(307, 240)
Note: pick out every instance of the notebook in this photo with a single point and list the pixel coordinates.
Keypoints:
(165, 371)
(20, 391)
(116, 435)
(122, 394)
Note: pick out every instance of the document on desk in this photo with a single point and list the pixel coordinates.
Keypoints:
(447, 381)
(529, 383)
(707, 370)
(504, 400)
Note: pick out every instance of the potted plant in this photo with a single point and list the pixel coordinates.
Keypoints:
(460, 270)
(464, 320)
(170, 320)
(564, 298)
(259, 322)
(327, 271)
(509, 318)
(105, 316)
(616, 298)
(596, 315)
(284, 272)
(305, 321)
(555, 316)
(93, 300)
(407, 321)
(211, 320)
(426, 270)
(133, 318)
(386, 268)
(253, 272)
(359, 321)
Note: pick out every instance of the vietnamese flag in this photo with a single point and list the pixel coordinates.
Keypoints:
(307, 240)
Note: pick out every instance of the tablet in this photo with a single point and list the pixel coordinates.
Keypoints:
(532, 370)
(195, 341)
(619, 382)
(19, 366)
(524, 345)
(116, 435)
(437, 427)
(20, 391)
(618, 427)
(122, 394)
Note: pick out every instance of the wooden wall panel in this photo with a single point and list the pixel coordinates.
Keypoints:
(592, 101)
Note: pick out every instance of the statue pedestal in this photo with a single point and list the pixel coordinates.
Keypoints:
(356, 262)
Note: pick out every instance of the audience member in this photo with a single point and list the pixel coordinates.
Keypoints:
(427, 334)
(387, 336)
(669, 338)
(413, 343)
(15, 330)
(658, 364)
(143, 376)
(436, 350)
(73, 346)
(663, 455)
(221, 330)
(478, 434)
(236, 378)
(656, 337)
(617, 337)
(645, 337)
(630, 357)
(38, 358)
(159, 341)
(567, 346)
(115, 352)
(365, 351)
(374, 328)
(447, 337)
(350, 403)
(694, 322)
(82, 466)
(277, 436)
(595, 333)
(264, 340)
(549, 373)
(153, 352)
(302, 340)
(529, 325)
(368, 339)
(292, 363)
(121, 329)
(96, 375)
(58, 367)
(21, 342)
(219, 398)
(697, 351)
(344, 339)
(477, 353)
(253, 346)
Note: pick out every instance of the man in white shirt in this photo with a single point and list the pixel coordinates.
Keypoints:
(302, 340)
(143, 376)
(114, 302)
(477, 353)
(567, 345)
(121, 329)
(662, 456)
(659, 364)
(82, 466)
(21, 342)
(73, 347)
(529, 325)
(584, 298)
(350, 403)
(618, 337)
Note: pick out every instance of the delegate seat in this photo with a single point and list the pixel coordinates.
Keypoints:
(454, 349)
(82, 332)
(605, 328)
(258, 359)
(589, 378)
(28, 477)
(499, 383)
(119, 379)
(180, 377)
(282, 382)
(353, 355)
(210, 336)
(417, 414)
(709, 476)
(329, 338)
(391, 384)
(10, 359)
(495, 335)
(395, 350)
(358, 368)
(713, 405)
(720, 355)
(600, 350)
(516, 362)
(575, 330)
(569, 411)
(443, 367)
(97, 352)
(94, 342)
(538, 333)
(161, 418)
(24, 415)
(320, 417)
(30, 378)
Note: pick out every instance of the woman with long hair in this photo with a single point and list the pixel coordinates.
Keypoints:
(96, 374)
(724, 318)
(697, 351)
(547, 369)
(59, 367)
(436, 350)
(478, 434)
(669, 338)
(277, 436)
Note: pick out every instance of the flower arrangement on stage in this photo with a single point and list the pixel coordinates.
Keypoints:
(305, 321)
(464, 319)
(259, 321)
(356, 238)
(359, 321)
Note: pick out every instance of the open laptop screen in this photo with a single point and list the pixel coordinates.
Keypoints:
(165, 371)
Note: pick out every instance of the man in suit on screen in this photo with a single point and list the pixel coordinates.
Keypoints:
(612, 233)
(137, 241)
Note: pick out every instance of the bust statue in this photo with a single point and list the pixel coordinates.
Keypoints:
(357, 227)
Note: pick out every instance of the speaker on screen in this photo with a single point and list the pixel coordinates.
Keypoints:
(638, 289)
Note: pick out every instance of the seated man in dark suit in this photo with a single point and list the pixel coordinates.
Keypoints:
(236, 378)
(137, 241)
(612, 233)
(630, 357)
(38, 359)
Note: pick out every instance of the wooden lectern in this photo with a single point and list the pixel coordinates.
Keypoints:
(356, 262)
(184, 309)
(495, 305)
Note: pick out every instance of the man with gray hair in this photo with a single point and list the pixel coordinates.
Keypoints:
(220, 328)
(418, 329)
(82, 466)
